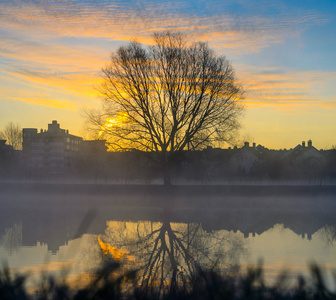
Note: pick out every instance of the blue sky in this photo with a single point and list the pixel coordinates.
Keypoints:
(51, 54)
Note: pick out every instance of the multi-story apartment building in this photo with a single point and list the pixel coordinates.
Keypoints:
(53, 149)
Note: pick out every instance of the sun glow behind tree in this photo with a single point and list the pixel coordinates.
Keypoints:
(119, 120)
(166, 98)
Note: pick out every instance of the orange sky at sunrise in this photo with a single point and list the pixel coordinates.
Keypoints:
(51, 54)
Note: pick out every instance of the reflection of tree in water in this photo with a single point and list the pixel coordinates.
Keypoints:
(169, 253)
(12, 239)
(328, 234)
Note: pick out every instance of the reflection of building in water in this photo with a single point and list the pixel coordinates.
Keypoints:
(304, 224)
(64, 218)
(178, 250)
(305, 236)
(283, 250)
(73, 259)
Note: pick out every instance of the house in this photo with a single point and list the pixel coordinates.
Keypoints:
(307, 155)
(305, 160)
(245, 158)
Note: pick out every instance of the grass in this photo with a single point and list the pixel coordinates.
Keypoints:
(111, 282)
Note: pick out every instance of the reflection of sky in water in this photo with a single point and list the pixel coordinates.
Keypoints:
(71, 260)
(282, 249)
(279, 247)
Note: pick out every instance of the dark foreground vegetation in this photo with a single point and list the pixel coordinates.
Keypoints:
(110, 282)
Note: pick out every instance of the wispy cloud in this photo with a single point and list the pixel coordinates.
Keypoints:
(44, 102)
(287, 88)
(51, 52)
(120, 20)
(79, 83)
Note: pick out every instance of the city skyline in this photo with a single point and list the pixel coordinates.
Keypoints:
(283, 53)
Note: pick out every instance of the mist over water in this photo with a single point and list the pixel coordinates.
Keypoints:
(168, 233)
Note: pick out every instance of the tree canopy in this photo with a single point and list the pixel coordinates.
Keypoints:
(12, 133)
(167, 97)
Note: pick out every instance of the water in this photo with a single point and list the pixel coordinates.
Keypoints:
(168, 235)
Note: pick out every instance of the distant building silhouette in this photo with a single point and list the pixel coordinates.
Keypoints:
(245, 158)
(303, 154)
(94, 148)
(258, 161)
(55, 151)
(52, 149)
(5, 149)
(7, 153)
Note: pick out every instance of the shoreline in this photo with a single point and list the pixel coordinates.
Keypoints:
(243, 190)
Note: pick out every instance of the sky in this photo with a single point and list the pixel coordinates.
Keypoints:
(283, 53)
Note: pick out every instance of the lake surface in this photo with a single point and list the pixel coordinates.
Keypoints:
(167, 233)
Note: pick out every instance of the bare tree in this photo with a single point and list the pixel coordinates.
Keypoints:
(12, 133)
(171, 253)
(167, 97)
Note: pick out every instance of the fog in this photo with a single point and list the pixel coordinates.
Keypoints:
(229, 227)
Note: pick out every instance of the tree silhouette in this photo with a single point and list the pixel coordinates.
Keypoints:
(167, 97)
(12, 133)
(328, 233)
(170, 254)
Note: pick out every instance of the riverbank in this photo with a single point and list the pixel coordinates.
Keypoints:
(243, 190)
